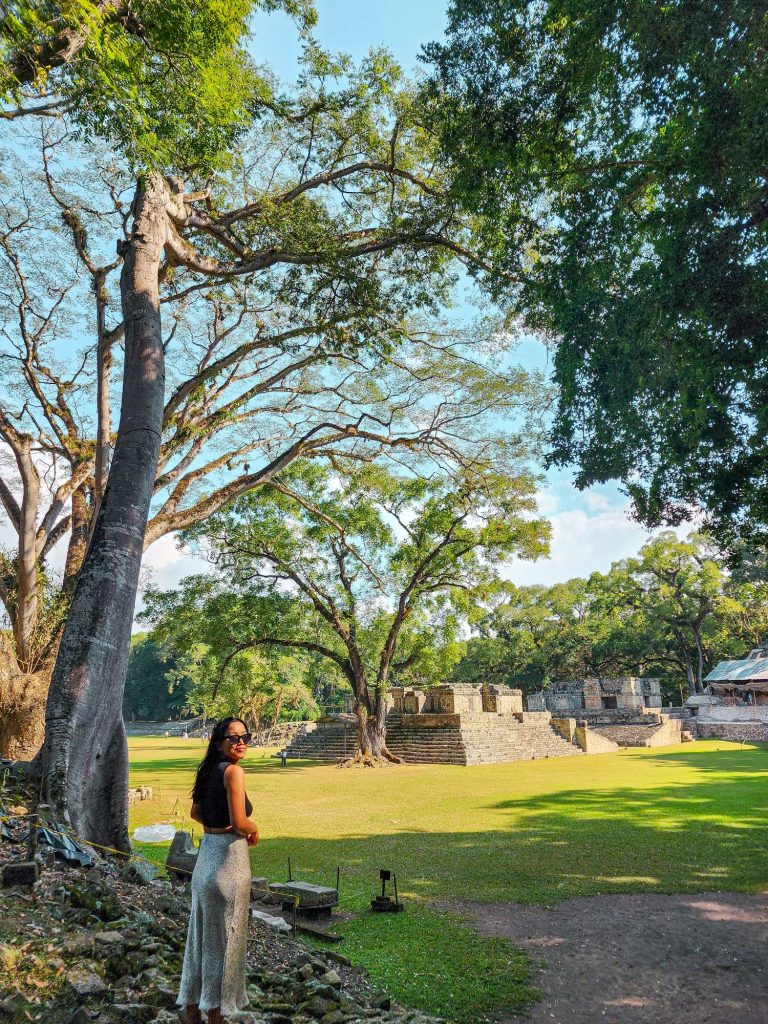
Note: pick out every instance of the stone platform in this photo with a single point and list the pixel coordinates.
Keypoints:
(466, 725)
(445, 738)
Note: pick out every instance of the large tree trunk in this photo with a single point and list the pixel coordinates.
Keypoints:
(84, 760)
(372, 749)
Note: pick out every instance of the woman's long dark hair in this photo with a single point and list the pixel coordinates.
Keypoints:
(212, 756)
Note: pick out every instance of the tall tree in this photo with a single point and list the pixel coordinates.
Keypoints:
(353, 214)
(672, 611)
(255, 378)
(344, 567)
(174, 90)
(617, 153)
(679, 585)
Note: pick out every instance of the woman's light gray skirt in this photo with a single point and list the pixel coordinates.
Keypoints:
(214, 960)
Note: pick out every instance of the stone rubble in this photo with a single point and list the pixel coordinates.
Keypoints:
(104, 946)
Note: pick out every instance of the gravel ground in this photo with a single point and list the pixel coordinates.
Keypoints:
(641, 959)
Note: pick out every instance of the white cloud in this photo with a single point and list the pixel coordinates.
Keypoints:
(590, 530)
(164, 566)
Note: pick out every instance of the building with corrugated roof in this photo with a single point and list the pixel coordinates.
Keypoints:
(745, 680)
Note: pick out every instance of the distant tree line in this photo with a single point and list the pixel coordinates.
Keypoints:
(237, 642)
(672, 611)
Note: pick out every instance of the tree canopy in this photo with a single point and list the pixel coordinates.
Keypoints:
(171, 83)
(369, 569)
(617, 153)
(672, 611)
(155, 689)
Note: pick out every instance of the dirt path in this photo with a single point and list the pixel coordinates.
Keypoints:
(641, 959)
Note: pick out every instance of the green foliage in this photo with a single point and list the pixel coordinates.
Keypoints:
(260, 686)
(155, 690)
(170, 82)
(673, 611)
(369, 569)
(616, 153)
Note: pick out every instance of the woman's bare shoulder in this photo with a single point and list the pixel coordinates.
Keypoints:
(234, 771)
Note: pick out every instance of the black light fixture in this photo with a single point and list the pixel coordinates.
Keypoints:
(384, 903)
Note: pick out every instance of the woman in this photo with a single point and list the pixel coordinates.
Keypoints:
(213, 977)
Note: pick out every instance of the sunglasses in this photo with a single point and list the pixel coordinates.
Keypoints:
(243, 737)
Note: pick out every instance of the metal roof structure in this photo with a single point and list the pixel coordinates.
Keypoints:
(741, 671)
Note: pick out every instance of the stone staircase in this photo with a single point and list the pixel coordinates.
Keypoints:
(333, 741)
(442, 745)
(498, 738)
(513, 740)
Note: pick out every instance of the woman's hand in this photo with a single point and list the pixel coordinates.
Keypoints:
(252, 838)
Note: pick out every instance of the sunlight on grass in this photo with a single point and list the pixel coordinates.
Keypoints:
(678, 819)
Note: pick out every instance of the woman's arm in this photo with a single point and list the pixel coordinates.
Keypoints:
(234, 783)
(195, 813)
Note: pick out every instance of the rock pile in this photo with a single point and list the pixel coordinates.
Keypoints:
(95, 947)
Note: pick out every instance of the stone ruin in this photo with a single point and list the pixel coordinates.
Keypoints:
(625, 711)
(466, 724)
(624, 693)
(459, 699)
(449, 724)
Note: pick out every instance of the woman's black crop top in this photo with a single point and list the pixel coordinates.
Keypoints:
(214, 809)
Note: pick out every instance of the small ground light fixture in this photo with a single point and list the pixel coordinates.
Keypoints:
(384, 903)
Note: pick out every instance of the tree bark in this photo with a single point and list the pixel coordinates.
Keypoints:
(84, 761)
(688, 670)
(372, 750)
(22, 698)
(103, 364)
(699, 663)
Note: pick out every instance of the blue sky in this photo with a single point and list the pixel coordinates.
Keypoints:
(591, 529)
(354, 28)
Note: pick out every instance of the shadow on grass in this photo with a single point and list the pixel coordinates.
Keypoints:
(744, 759)
(676, 838)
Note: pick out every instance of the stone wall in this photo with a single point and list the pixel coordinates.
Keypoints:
(732, 714)
(413, 702)
(620, 716)
(735, 732)
(565, 727)
(569, 697)
(659, 732)
(454, 700)
(501, 700)
(536, 702)
(592, 742)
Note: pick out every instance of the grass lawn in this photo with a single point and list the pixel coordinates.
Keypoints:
(675, 819)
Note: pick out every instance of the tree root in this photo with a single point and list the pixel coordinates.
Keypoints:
(365, 759)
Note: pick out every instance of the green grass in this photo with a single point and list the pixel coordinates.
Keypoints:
(680, 819)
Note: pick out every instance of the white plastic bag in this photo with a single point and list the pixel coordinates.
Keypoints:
(154, 833)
